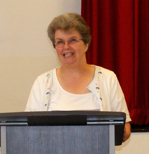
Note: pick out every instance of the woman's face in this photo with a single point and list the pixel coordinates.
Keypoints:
(70, 47)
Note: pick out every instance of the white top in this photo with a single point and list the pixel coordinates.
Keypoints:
(105, 88)
(63, 100)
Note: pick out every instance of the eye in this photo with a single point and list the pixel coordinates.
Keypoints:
(73, 40)
(59, 42)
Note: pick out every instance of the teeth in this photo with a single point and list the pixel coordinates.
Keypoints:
(68, 54)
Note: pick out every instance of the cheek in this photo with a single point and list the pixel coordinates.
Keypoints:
(83, 48)
(58, 51)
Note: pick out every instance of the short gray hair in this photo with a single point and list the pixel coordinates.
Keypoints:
(69, 21)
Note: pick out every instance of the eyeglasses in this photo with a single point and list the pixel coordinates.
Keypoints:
(61, 43)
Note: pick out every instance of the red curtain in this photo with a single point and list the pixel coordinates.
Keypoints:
(120, 42)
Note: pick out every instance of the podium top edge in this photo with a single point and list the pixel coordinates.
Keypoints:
(64, 113)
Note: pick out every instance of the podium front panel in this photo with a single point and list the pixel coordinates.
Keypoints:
(85, 139)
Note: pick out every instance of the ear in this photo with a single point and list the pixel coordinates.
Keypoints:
(86, 47)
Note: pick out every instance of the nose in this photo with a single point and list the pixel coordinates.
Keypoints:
(66, 45)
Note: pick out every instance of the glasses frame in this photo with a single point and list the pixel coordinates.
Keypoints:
(68, 42)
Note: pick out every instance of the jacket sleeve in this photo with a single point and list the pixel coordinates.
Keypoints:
(39, 95)
(117, 98)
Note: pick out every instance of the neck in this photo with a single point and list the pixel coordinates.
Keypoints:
(74, 69)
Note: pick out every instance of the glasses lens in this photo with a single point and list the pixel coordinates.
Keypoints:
(59, 43)
(73, 41)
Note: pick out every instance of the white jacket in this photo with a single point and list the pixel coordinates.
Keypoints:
(105, 87)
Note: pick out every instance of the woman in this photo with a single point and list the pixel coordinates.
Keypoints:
(76, 85)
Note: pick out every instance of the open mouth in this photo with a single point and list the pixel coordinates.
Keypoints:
(67, 54)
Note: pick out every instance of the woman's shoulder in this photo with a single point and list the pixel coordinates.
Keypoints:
(104, 71)
(45, 74)
(45, 77)
(106, 76)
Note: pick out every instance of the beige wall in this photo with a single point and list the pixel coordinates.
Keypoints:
(25, 50)
(138, 143)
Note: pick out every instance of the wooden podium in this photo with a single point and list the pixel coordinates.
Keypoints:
(61, 132)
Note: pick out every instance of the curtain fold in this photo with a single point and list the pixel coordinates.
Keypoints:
(120, 42)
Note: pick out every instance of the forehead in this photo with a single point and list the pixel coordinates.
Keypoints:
(62, 34)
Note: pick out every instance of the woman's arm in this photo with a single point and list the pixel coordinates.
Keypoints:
(127, 131)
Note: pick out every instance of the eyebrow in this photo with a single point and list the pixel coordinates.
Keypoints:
(58, 39)
(68, 39)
